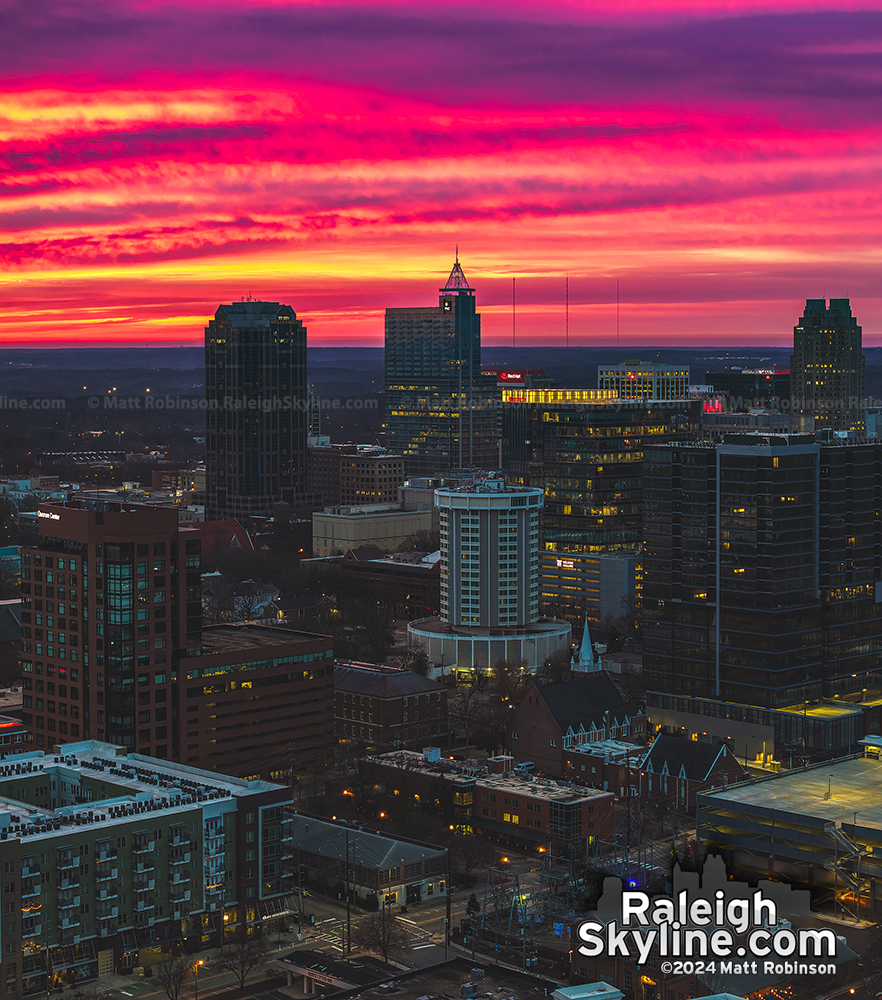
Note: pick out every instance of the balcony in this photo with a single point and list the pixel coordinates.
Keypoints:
(179, 895)
(107, 928)
(143, 884)
(31, 930)
(30, 889)
(142, 847)
(180, 876)
(29, 868)
(179, 841)
(106, 854)
(69, 937)
(143, 920)
(69, 920)
(105, 874)
(67, 862)
(106, 913)
(143, 865)
(179, 859)
(69, 881)
(144, 905)
(109, 892)
(67, 903)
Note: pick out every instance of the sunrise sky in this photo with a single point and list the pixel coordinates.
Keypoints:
(722, 160)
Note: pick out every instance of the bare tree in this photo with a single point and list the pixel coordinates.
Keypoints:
(462, 705)
(414, 658)
(365, 784)
(247, 605)
(173, 973)
(240, 953)
(382, 933)
(469, 852)
(216, 608)
(557, 668)
(510, 679)
(491, 719)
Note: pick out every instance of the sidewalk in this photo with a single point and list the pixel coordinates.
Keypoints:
(212, 979)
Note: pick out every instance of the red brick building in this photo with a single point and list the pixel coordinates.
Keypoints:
(110, 603)
(525, 812)
(387, 707)
(552, 717)
(258, 700)
(113, 649)
(673, 769)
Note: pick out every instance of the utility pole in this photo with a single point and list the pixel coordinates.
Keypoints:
(447, 919)
(348, 913)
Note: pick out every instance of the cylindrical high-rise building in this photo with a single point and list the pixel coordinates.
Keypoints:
(489, 582)
(489, 554)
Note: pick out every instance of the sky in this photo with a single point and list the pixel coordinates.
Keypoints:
(712, 162)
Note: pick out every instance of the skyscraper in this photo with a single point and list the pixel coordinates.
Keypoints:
(489, 554)
(489, 582)
(111, 601)
(439, 405)
(761, 582)
(256, 420)
(584, 447)
(827, 367)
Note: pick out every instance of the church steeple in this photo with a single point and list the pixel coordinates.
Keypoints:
(587, 660)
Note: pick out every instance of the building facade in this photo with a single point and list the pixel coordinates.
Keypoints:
(489, 554)
(110, 605)
(489, 581)
(255, 391)
(388, 707)
(335, 530)
(439, 405)
(585, 449)
(827, 367)
(644, 380)
(258, 702)
(761, 576)
(748, 388)
(510, 807)
(552, 718)
(111, 858)
(354, 474)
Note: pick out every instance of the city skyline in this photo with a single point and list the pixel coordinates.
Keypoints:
(711, 163)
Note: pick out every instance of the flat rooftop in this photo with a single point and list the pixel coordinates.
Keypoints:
(537, 788)
(444, 982)
(826, 709)
(855, 787)
(140, 785)
(236, 638)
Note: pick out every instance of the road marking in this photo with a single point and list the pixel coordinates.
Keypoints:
(417, 947)
(407, 920)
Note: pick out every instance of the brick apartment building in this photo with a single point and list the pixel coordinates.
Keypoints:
(113, 649)
(388, 707)
(552, 717)
(516, 809)
(110, 604)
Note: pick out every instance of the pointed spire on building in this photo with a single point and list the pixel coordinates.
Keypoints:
(457, 280)
(586, 660)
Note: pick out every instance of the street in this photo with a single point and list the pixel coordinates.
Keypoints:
(423, 923)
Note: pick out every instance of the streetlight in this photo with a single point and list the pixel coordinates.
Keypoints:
(196, 970)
